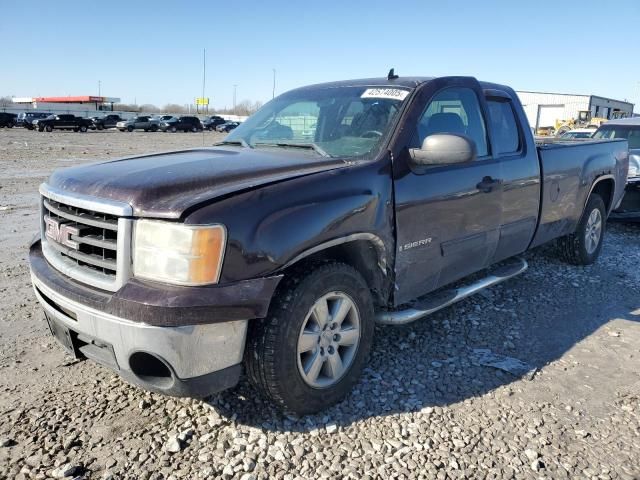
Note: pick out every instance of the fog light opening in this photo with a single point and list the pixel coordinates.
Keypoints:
(151, 369)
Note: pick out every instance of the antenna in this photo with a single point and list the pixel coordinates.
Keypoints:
(391, 75)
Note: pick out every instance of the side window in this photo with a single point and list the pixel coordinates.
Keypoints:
(454, 110)
(504, 126)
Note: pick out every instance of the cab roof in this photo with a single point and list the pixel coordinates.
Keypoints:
(403, 82)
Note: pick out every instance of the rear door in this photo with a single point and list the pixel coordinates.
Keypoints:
(520, 172)
(448, 217)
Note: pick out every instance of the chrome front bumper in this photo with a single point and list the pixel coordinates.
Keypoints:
(198, 359)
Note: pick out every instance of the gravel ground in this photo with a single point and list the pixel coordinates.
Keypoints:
(426, 407)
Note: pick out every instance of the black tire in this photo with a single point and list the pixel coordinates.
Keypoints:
(574, 248)
(121, 129)
(83, 128)
(194, 129)
(10, 125)
(48, 128)
(154, 128)
(271, 356)
(129, 129)
(146, 129)
(173, 129)
(99, 127)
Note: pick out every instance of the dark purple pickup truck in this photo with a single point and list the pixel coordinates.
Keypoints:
(333, 207)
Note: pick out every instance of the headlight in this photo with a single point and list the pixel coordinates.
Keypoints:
(177, 253)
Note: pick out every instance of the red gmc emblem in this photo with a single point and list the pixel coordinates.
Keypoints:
(60, 232)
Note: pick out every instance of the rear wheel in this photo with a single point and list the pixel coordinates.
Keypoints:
(173, 129)
(83, 128)
(48, 128)
(311, 349)
(583, 246)
(99, 127)
(154, 128)
(129, 129)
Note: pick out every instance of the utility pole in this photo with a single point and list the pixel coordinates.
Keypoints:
(273, 93)
(204, 72)
(235, 87)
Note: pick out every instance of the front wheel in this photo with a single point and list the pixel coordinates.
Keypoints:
(154, 128)
(311, 349)
(49, 128)
(583, 246)
(83, 128)
(129, 129)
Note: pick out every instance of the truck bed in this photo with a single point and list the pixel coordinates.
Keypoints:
(569, 169)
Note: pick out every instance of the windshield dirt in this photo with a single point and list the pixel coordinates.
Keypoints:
(338, 122)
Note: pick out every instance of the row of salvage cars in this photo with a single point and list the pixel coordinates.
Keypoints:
(47, 122)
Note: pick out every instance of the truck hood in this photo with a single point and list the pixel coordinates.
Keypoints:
(164, 185)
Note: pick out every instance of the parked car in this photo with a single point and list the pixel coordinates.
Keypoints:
(628, 129)
(7, 119)
(25, 119)
(577, 134)
(210, 123)
(108, 121)
(62, 122)
(143, 122)
(280, 253)
(184, 124)
(227, 126)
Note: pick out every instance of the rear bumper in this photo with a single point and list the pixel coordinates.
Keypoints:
(195, 360)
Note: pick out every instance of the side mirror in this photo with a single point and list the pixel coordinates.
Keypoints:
(444, 149)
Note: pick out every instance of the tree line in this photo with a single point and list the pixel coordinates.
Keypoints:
(245, 107)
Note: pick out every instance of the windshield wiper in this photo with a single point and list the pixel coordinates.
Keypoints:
(307, 146)
(239, 143)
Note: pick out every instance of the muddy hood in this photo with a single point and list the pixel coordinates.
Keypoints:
(165, 185)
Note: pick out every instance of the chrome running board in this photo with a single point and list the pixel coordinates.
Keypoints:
(431, 304)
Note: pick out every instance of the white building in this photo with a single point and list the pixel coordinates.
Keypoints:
(544, 109)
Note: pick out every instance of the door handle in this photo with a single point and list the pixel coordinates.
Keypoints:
(488, 184)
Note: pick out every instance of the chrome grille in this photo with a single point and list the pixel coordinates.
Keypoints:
(94, 236)
(88, 244)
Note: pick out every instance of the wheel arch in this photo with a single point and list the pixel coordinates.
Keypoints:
(605, 186)
(363, 251)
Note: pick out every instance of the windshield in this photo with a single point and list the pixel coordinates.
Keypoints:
(340, 122)
(629, 132)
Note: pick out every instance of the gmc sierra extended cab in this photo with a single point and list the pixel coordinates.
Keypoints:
(333, 207)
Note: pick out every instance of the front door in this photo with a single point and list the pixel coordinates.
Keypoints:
(447, 216)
